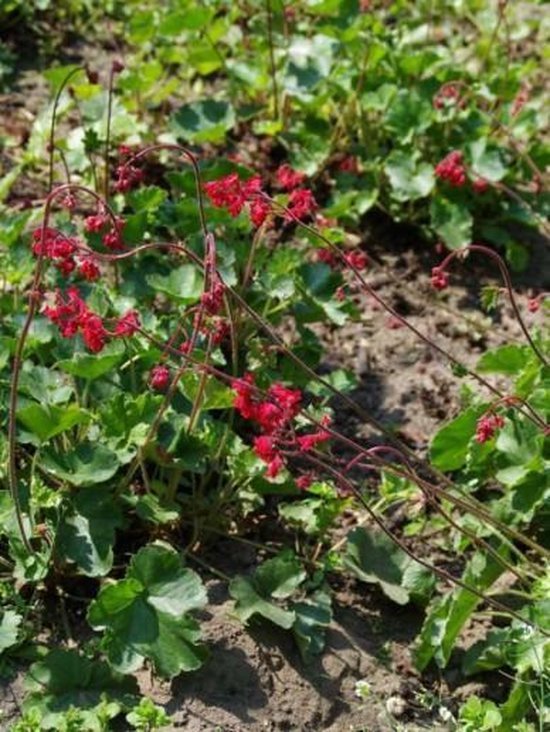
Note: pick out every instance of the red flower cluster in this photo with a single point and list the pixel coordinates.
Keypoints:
(349, 164)
(357, 259)
(274, 416)
(288, 178)
(72, 316)
(533, 304)
(233, 194)
(112, 238)
(127, 177)
(159, 378)
(452, 169)
(448, 94)
(480, 185)
(440, 279)
(487, 426)
(301, 204)
(62, 249)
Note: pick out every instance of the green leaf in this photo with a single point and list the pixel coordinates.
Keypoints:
(215, 394)
(88, 366)
(452, 221)
(280, 576)
(46, 421)
(313, 616)
(449, 614)
(183, 284)
(449, 447)
(87, 464)
(65, 679)
(249, 603)
(86, 534)
(203, 121)
(409, 178)
(487, 162)
(408, 115)
(509, 360)
(9, 629)
(145, 615)
(46, 385)
(374, 558)
(147, 199)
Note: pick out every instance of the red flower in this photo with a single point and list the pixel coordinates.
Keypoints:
(487, 426)
(244, 402)
(93, 332)
(72, 315)
(128, 324)
(349, 164)
(159, 378)
(227, 193)
(308, 442)
(304, 481)
(288, 178)
(128, 177)
(480, 185)
(95, 223)
(533, 304)
(357, 259)
(452, 169)
(259, 211)
(440, 279)
(327, 256)
(301, 203)
(88, 269)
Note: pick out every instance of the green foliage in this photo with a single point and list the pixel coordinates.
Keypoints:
(374, 558)
(146, 614)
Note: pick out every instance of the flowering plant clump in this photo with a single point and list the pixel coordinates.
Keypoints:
(165, 318)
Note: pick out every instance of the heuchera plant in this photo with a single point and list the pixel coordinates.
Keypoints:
(182, 401)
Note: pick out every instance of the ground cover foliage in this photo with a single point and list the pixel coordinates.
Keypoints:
(190, 225)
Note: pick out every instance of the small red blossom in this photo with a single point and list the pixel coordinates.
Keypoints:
(327, 256)
(308, 442)
(88, 269)
(448, 94)
(394, 323)
(533, 304)
(349, 164)
(452, 169)
(128, 177)
(301, 204)
(288, 178)
(357, 259)
(244, 400)
(226, 193)
(66, 266)
(487, 426)
(480, 185)
(212, 300)
(93, 332)
(440, 278)
(127, 324)
(95, 223)
(259, 210)
(304, 481)
(159, 378)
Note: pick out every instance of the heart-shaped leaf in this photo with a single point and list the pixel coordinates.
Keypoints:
(145, 615)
